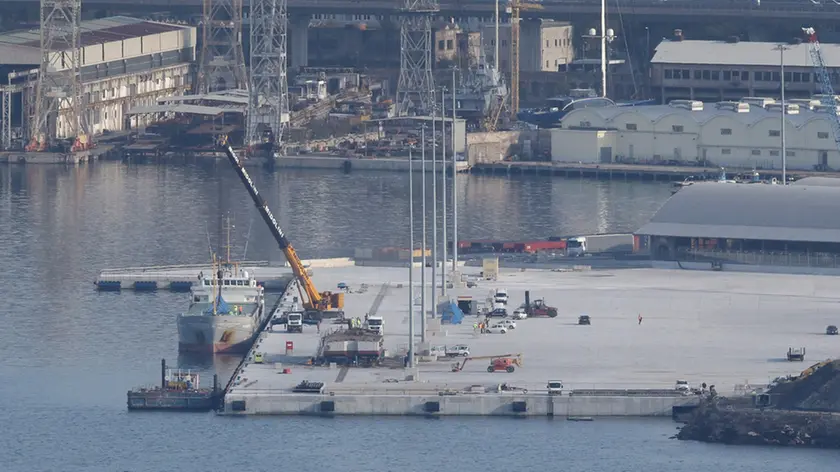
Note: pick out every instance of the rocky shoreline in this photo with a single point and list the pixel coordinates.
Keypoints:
(716, 422)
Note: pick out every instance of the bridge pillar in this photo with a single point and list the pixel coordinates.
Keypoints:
(299, 32)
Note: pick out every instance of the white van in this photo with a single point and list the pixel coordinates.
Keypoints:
(500, 297)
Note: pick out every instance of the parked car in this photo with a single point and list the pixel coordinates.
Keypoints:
(498, 313)
(831, 330)
(496, 329)
(461, 350)
(520, 314)
(509, 324)
(584, 320)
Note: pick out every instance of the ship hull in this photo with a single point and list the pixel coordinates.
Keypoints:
(223, 334)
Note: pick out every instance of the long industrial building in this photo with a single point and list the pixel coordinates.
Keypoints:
(745, 134)
(126, 62)
(751, 224)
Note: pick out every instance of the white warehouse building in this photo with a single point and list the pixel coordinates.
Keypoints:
(126, 62)
(746, 134)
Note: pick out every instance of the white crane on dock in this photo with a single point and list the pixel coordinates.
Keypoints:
(825, 80)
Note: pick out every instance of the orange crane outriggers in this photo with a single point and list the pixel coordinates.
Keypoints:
(315, 300)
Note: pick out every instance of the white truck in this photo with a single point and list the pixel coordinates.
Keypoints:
(555, 387)
(375, 324)
(294, 323)
(599, 244)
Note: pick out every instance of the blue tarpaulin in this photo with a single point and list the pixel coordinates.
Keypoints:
(450, 313)
(221, 306)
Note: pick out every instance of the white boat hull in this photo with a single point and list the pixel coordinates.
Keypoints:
(229, 334)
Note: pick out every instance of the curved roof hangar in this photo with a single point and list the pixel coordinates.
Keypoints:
(750, 211)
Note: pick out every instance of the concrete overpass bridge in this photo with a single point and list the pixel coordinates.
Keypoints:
(556, 9)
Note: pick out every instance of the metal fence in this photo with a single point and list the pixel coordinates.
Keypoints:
(788, 259)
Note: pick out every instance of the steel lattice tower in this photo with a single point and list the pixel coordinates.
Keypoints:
(222, 63)
(268, 97)
(59, 88)
(416, 84)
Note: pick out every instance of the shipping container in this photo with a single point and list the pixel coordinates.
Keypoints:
(112, 51)
(536, 246)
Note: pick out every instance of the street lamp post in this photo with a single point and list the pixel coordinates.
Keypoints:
(454, 188)
(443, 182)
(423, 244)
(410, 260)
(606, 36)
(434, 209)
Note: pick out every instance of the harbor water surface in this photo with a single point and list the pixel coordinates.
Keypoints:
(69, 353)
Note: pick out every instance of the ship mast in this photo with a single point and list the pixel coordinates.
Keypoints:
(227, 246)
(213, 283)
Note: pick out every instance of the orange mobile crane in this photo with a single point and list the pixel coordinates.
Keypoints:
(315, 300)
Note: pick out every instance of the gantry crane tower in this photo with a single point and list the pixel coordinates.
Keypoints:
(268, 91)
(59, 92)
(415, 89)
(825, 80)
(515, 8)
(222, 64)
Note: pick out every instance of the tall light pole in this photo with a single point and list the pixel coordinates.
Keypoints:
(410, 260)
(606, 36)
(423, 248)
(603, 48)
(434, 211)
(443, 182)
(496, 52)
(454, 187)
(782, 48)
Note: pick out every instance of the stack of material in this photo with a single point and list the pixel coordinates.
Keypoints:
(817, 389)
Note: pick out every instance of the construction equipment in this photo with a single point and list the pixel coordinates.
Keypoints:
(314, 300)
(825, 82)
(515, 8)
(538, 308)
(512, 359)
(504, 364)
(796, 354)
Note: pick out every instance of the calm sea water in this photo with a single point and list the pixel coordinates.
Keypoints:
(68, 354)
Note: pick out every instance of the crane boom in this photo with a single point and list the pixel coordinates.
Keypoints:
(317, 300)
(825, 80)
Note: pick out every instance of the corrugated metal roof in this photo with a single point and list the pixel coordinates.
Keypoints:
(750, 211)
(743, 53)
(99, 31)
(656, 112)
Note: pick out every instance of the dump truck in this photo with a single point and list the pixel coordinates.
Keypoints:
(538, 308)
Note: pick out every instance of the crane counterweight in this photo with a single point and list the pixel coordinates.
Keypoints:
(320, 301)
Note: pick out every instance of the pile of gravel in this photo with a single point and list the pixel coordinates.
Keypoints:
(819, 391)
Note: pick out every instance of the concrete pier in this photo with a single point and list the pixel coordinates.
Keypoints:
(179, 278)
(730, 330)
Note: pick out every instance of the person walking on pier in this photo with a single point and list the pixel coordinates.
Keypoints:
(640, 318)
(318, 327)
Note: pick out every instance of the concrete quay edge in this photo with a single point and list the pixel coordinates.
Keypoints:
(453, 405)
